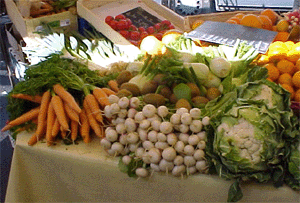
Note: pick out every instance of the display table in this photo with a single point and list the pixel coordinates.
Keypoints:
(83, 172)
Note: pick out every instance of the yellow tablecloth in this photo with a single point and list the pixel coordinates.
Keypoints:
(67, 173)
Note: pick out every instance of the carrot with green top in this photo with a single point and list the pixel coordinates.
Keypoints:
(72, 114)
(74, 130)
(93, 105)
(101, 96)
(108, 91)
(50, 122)
(55, 128)
(84, 129)
(60, 111)
(92, 121)
(113, 85)
(33, 113)
(35, 98)
(66, 96)
(42, 117)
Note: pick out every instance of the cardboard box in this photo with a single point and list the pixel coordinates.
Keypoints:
(95, 12)
(27, 26)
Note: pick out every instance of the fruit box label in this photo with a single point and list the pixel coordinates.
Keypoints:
(141, 18)
(226, 33)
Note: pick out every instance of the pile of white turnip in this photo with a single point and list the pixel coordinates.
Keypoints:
(171, 141)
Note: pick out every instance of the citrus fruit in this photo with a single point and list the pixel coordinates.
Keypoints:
(285, 66)
(297, 96)
(285, 78)
(273, 72)
(296, 79)
(239, 15)
(297, 66)
(266, 22)
(282, 36)
(290, 89)
(282, 26)
(271, 14)
(251, 20)
(196, 24)
(231, 21)
(237, 20)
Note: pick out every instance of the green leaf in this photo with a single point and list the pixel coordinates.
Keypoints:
(122, 167)
(235, 193)
(182, 91)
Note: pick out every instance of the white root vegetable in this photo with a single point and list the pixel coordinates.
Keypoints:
(186, 119)
(202, 135)
(146, 158)
(195, 113)
(111, 152)
(178, 170)
(131, 112)
(142, 134)
(178, 160)
(139, 152)
(155, 167)
(184, 137)
(191, 170)
(152, 136)
(201, 166)
(139, 117)
(120, 128)
(165, 165)
(179, 146)
(184, 128)
(149, 110)
(196, 126)
(220, 67)
(126, 159)
(133, 147)
(130, 125)
(199, 154)
(118, 120)
(145, 124)
(108, 128)
(166, 127)
(189, 161)
(123, 102)
(141, 172)
(155, 155)
(162, 111)
(111, 135)
(122, 113)
(113, 99)
(107, 111)
(117, 147)
(189, 150)
(125, 151)
(155, 124)
(134, 102)
(175, 119)
(161, 145)
(123, 139)
(169, 154)
(180, 111)
(193, 140)
(132, 137)
(201, 145)
(114, 108)
(148, 145)
(161, 137)
(105, 143)
(172, 139)
(154, 118)
(205, 120)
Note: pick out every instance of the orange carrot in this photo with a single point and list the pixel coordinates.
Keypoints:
(108, 91)
(94, 107)
(85, 126)
(92, 121)
(35, 98)
(113, 85)
(74, 130)
(50, 122)
(67, 97)
(43, 112)
(33, 113)
(72, 114)
(55, 128)
(63, 133)
(101, 96)
(59, 111)
(33, 139)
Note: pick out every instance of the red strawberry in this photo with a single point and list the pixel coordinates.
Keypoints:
(141, 29)
(122, 25)
(108, 19)
(135, 35)
(120, 17)
(144, 34)
(113, 24)
(150, 30)
(124, 33)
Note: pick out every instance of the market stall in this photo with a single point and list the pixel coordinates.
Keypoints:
(146, 105)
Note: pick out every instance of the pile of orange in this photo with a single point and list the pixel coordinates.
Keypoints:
(267, 19)
(283, 63)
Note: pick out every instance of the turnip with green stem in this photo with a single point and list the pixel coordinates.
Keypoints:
(152, 136)
(132, 137)
(186, 119)
(178, 160)
(179, 146)
(169, 154)
(145, 124)
(195, 113)
(149, 110)
(155, 124)
(201, 166)
(165, 165)
(141, 172)
(142, 134)
(201, 144)
(155, 167)
(184, 128)
(182, 110)
(130, 125)
(105, 143)
(196, 126)
(107, 111)
(199, 154)
(175, 119)
(161, 137)
(126, 159)
(188, 150)
(117, 147)
(122, 113)
(161, 145)
(178, 170)
(139, 152)
(162, 111)
(134, 102)
(172, 139)
(131, 113)
(113, 99)
(111, 135)
(155, 155)
(139, 117)
(201, 135)
(189, 161)
(121, 128)
(123, 102)
(114, 108)
(205, 120)
(148, 145)
(166, 127)
(123, 139)
(193, 140)
(184, 137)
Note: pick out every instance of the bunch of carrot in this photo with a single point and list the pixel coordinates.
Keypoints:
(60, 114)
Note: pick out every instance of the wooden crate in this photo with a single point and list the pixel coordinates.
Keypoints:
(27, 26)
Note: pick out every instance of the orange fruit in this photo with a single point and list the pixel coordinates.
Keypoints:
(273, 72)
(266, 22)
(297, 96)
(263, 59)
(297, 66)
(274, 28)
(296, 79)
(271, 14)
(293, 55)
(239, 15)
(289, 45)
(285, 66)
(237, 20)
(282, 26)
(290, 89)
(276, 55)
(285, 78)
(231, 21)
(196, 24)
(282, 36)
(251, 20)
